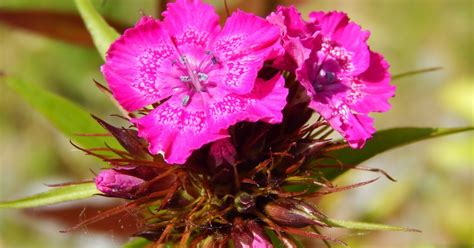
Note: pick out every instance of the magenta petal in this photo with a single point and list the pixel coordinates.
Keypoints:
(298, 37)
(191, 22)
(355, 128)
(175, 132)
(337, 27)
(330, 22)
(264, 103)
(245, 42)
(371, 90)
(289, 20)
(132, 64)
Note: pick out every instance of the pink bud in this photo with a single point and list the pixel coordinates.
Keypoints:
(114, 183)
(223, 151)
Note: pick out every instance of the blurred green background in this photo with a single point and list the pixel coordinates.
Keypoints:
(434, 192)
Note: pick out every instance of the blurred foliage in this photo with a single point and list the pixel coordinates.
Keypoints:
(435, 179)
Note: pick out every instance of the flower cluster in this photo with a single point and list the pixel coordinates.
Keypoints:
(200, 79)
(233, 105)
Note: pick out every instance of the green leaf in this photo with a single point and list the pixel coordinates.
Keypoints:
(66, 116)
(137, 243)
(102, 33)
(366, 226)
(385, 140)
(54, 195)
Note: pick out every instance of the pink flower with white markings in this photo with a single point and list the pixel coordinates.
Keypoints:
(344, 78)
(204, 79)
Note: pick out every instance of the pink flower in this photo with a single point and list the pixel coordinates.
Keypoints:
(202, 78)
(345, 80)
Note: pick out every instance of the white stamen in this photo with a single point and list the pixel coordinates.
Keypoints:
(185, 79)
(185, 100)
(202, 76)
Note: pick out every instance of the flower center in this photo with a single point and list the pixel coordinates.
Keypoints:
(193, 72)
(196, 78)
(334, 65)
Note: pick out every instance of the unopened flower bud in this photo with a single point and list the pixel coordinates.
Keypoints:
(293, 213)
(223, 151)
(114, 183)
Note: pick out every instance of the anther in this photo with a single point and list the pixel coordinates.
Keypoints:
(185, 100)
(183, 59)
(202, 76)
(330, 76)
(185, 79)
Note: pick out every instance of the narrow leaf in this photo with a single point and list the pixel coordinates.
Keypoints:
(415, 72)
(66, 116)
(63, 26)
(366, 226)
(54, 195)
(386, 140)
(102, 33)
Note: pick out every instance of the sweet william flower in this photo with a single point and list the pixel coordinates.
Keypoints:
(344, 79)
(204, 78)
